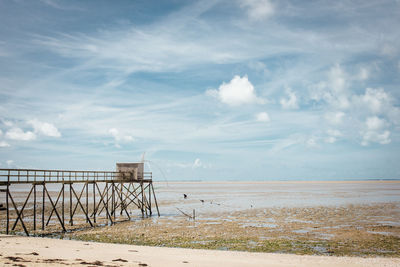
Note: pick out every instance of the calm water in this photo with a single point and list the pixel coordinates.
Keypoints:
(231, 196)
(206, 197)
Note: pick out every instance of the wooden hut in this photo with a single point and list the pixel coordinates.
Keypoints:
(130, 171)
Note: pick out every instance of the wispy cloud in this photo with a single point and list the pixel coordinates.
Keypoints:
(4, 144)
(119, 137)
(291, 101)
(263, 117)
(105, 90)
(258, 9)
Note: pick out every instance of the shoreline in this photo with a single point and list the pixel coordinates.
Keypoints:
(39, 251)
(327, 218)
(396, 181)
(355, 230)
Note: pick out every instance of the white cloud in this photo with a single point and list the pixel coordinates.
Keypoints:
(333, 136)
(237, 92)
(258, 9)
(263, 117)
(370, 115)
(334, 90)
(338, 83)
(119, 137)
(372, 136)
(337, 78)
(18, 134)
(335, 118)
(318, 91)
(200, 164)
(376, 99)
(4, 144)
(291, 101)
(375, 131)
(375, 123)
(197, 164)
(44, 128)
(330, 139)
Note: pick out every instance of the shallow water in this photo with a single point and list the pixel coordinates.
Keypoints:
(210, 197)
(231, 196)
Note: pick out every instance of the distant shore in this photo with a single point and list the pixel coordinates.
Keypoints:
(30, 251)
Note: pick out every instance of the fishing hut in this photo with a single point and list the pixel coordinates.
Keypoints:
(62, 200)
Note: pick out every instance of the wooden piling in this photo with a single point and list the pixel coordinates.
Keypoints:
(155, 199)
(121, 193)
(142, 206)
(107, 200)
(70, 205)
(7, 205)
(43, 206)
(94, 202)
(150, 200)
(87, 198)
(112, 200)
(34, 206)
(120, 196)
(62, 207)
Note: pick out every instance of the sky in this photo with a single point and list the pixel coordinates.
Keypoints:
(207, 90)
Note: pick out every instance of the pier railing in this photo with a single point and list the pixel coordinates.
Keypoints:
(57, 176)
(99, 198)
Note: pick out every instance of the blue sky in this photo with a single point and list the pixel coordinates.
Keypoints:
(212, 90)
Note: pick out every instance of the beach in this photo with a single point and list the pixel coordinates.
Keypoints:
(30, 251)
(314, 223)
(359, 218)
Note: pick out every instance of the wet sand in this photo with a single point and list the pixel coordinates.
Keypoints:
(28, 251)
(353, 230)
(349, 218)
(315, 218)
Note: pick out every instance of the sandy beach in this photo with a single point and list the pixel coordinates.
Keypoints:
(31, 251)
(357, 219)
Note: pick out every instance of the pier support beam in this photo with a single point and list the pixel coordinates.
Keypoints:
(99, 204)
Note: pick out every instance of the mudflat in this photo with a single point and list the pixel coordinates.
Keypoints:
(338, 218)
(34, 251)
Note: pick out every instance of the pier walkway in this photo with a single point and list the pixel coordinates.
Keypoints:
(39, 200)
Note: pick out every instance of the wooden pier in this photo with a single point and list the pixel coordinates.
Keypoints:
(39, 200)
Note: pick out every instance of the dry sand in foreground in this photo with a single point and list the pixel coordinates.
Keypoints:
(34, 251)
